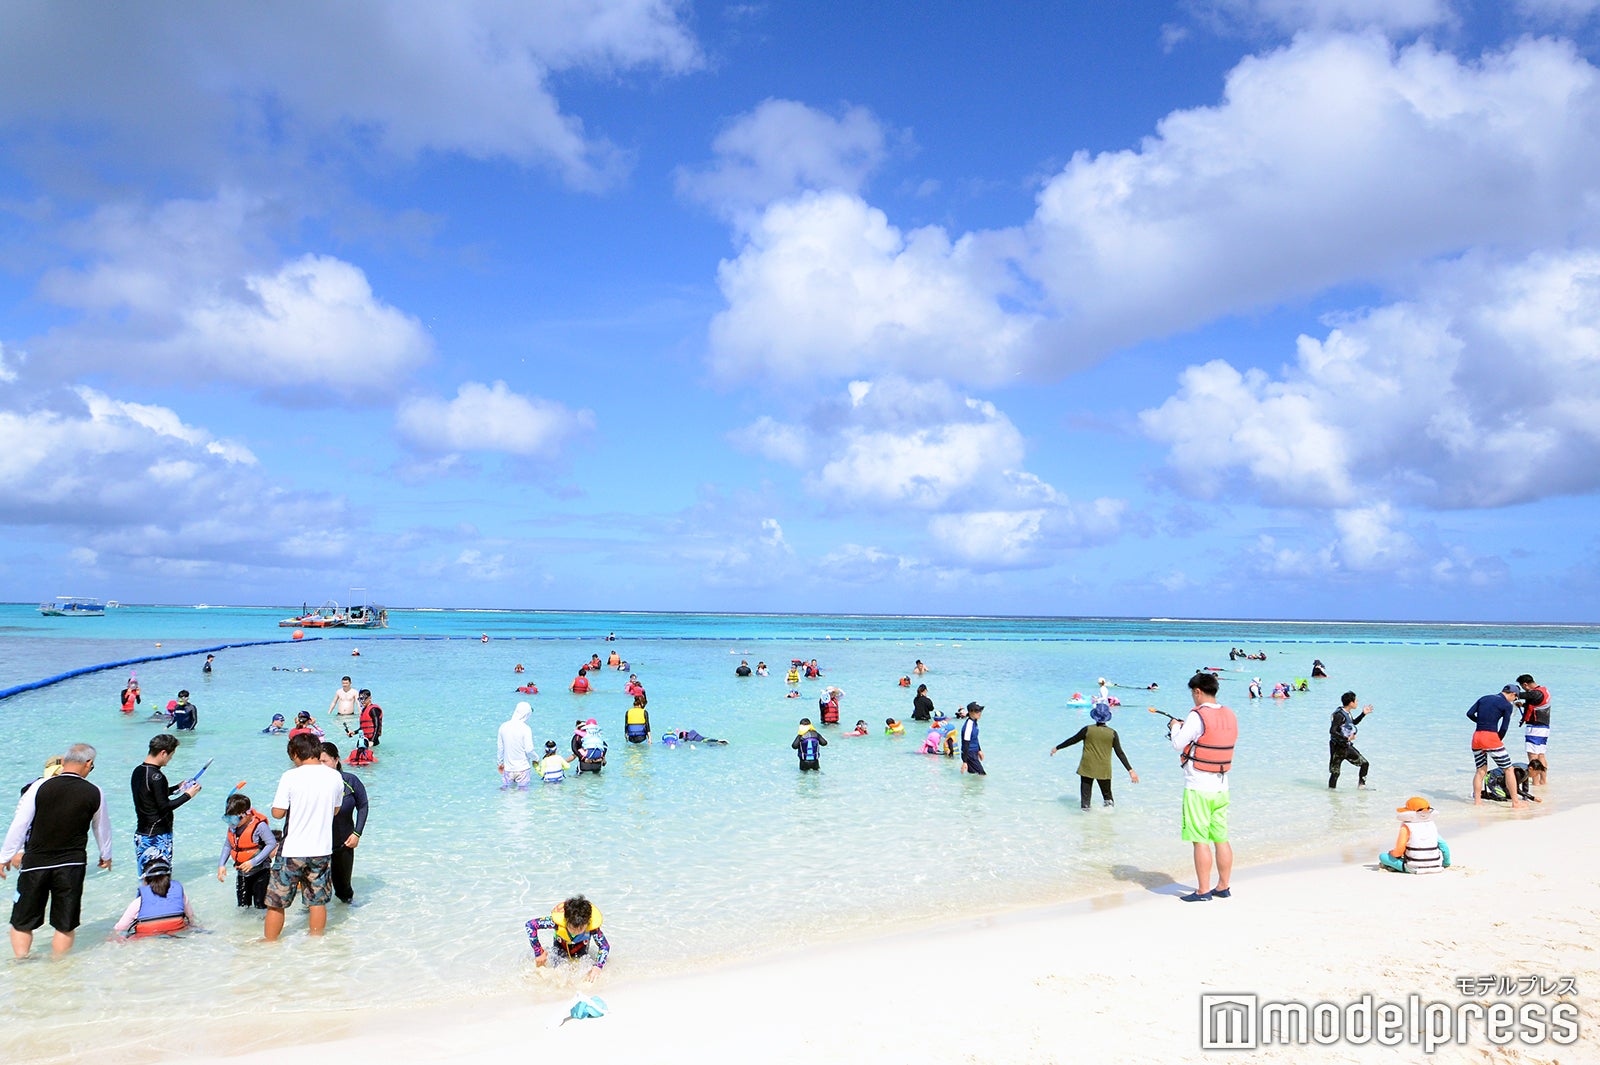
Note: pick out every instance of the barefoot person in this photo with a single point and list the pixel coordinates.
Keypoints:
(53, 821)
(1204, 741)
(308, 795)
(1341, 740)
(1535, 703)
(1491, 716)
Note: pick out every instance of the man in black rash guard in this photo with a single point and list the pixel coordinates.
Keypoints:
(49, 837)
(153, 802)
(922, 706)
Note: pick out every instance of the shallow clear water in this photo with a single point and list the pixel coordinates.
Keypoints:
(712, 852)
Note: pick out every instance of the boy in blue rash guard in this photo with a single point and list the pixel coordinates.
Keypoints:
(971, 751)
(576, 923)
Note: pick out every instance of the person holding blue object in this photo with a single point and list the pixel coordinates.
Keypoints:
(1492, 716)
(576, 923)
(154, 800)
(1418, 848)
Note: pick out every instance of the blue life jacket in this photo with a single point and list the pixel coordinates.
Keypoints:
(153, 907)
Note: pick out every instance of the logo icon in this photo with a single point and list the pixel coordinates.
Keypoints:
(1227, 1022)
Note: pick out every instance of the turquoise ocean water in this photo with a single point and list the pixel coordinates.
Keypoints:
(704, 853)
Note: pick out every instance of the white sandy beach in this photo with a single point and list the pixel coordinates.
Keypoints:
(1115, 979)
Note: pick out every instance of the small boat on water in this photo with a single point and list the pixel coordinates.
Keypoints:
(330, 616)
(73, 606)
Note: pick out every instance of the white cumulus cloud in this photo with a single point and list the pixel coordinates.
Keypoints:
(489, 418)
(133, 483)
(1333, 159)
(825, 284)
(167, 85)
(781, 148)
(1482, 391)
(182, 289)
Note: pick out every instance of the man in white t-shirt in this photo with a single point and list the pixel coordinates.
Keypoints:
(308, 796)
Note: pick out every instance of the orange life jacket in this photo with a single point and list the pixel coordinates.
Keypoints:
(242, 841)
(1213, 751)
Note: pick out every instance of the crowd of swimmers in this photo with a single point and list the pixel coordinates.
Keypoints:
(48, 836)
(312, 855)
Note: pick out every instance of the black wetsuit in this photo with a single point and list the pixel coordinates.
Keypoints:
(922, 708)
(1341, 750)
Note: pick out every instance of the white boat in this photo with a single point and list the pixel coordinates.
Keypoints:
(73, 606)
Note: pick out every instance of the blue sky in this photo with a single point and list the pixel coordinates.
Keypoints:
(1245, 308)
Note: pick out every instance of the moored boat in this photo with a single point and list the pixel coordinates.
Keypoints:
(73, 606)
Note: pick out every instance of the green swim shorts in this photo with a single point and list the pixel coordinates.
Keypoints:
(1205, 816)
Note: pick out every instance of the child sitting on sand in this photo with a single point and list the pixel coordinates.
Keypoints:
(1418, 848)
(576, 923)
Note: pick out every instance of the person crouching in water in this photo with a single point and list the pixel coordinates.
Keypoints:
(160, 907)
(808, 744)
(576, 923)
(1100, 742)
(249, 842)
(1418, 848)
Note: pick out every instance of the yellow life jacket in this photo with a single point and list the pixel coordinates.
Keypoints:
(559, 916)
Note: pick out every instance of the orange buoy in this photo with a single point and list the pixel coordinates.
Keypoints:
(297, 634)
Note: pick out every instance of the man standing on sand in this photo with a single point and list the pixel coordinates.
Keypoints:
(1492, 716)
(52, 823)
(1204, 741)
(154, 801)
(971, 750)
(308, 795)
(1341, 740)
(344, 700)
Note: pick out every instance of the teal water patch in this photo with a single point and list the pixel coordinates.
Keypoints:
(706, 852)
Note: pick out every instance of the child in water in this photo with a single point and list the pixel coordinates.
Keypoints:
(553, 767)
(891, 727)
(859, 730)
(1418, 848)
(808, 744)
(250, 842)
(160, 907)
(275, 727)
(576, 923)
